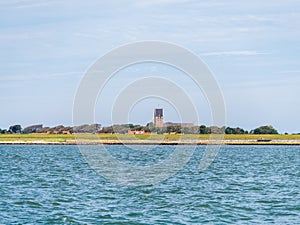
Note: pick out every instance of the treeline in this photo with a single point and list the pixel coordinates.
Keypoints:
(124, 128)
(60, 129)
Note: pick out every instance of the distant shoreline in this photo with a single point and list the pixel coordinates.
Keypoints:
(113, 142)
(166, 139)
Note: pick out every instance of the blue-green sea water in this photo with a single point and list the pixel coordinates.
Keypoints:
(245, 184)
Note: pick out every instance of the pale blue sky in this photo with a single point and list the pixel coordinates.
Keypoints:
(252, 47)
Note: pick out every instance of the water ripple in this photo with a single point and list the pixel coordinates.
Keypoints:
(245, 184)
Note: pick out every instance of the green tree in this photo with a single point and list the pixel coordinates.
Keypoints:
(190, 130)
(237, 130)
(176, 128)
(216, 130)
(203, 129)
(4, 131)
(150, 124)
(15, 129)
(265, 130)
(230, 130)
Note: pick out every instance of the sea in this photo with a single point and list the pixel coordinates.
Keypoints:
(56, 184)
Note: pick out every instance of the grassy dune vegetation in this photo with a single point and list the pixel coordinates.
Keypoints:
(60, 138)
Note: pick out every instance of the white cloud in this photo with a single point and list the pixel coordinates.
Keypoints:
(234, 53)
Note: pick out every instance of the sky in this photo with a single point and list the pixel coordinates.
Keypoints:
(251, 47)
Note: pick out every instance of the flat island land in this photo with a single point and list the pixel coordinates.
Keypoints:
(144, 139)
